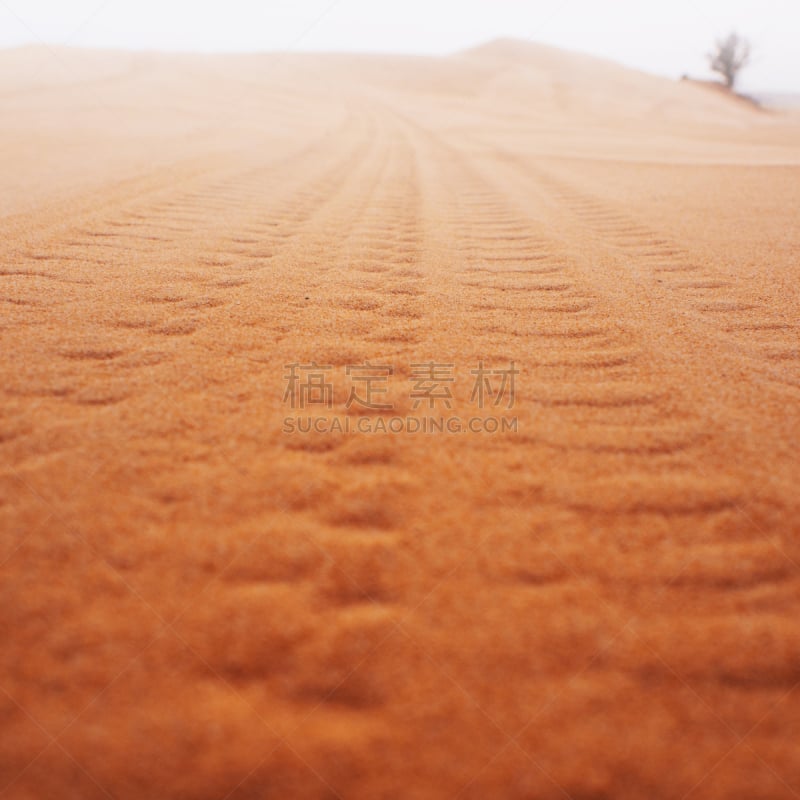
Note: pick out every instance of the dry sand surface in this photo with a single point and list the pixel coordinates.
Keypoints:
(196, 604)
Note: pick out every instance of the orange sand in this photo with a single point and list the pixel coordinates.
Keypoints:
(197, 605)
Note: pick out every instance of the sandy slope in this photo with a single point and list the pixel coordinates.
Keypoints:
(197, 605)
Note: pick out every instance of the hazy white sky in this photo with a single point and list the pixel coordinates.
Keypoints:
(665, 37)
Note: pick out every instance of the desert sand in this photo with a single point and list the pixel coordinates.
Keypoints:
(196, 604)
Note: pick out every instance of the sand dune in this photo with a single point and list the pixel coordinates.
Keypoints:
(197, 604)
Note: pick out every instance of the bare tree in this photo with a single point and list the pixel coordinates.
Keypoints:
(729, 57)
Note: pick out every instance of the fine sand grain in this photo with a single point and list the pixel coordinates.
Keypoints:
(197, 605)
